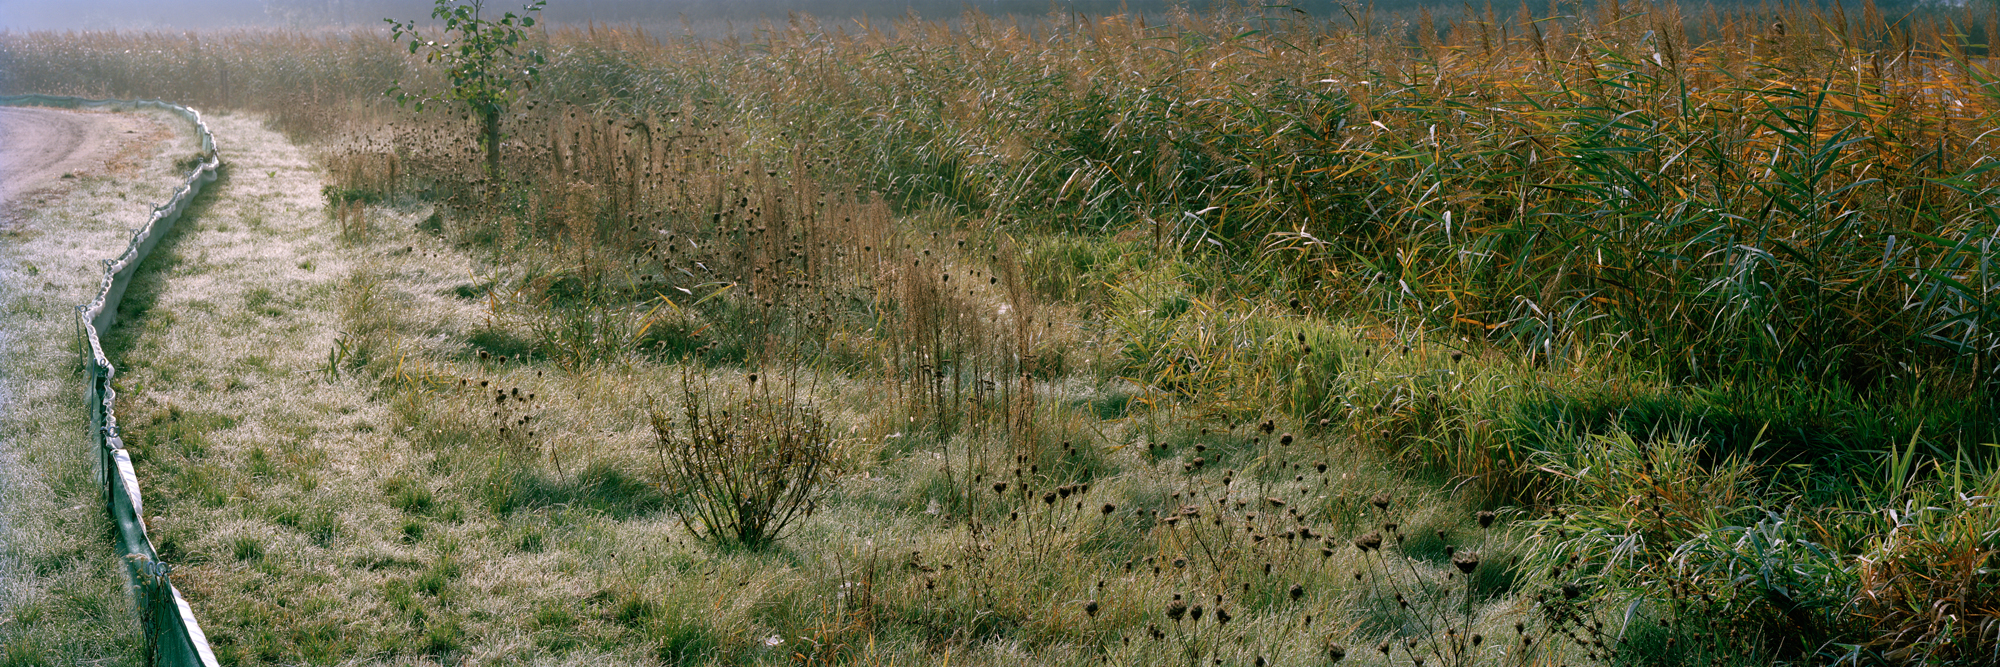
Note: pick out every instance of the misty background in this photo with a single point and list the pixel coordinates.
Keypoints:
(27, 15)
(31, 15)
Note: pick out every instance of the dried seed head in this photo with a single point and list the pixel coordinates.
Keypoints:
(1285, 439)
(1297, 592)
(1466, 562)
(1485, 518)
(1091, 608)
(1335, 652)
(1369, 542)
(1380, 501)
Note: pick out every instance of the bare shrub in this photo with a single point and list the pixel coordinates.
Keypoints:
(742, 465)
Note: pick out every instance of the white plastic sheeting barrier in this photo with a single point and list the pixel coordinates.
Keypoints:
(173, 637)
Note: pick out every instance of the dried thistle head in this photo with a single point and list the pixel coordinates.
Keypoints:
(1380, 501)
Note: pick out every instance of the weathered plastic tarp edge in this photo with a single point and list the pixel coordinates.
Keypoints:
(172, 632)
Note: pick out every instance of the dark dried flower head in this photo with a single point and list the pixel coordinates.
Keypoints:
(1335, 652)
(1380, 500)
(1000, 487)
(1176, 610)
(1485, 518)
(1297, 591)
(1091, 608)
(1466, 561)
(1285, 439)
(1109, 508)
(1369, 542)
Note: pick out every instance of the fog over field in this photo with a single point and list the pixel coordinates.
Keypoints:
(20, 15)
(143, 15)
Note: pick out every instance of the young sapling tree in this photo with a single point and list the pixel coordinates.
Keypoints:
(482, 58)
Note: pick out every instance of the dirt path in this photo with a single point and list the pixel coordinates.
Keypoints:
(39, 146)
(62, 600)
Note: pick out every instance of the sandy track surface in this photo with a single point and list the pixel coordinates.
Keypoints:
(39, 146)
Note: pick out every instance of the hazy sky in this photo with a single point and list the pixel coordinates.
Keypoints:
(195, 14)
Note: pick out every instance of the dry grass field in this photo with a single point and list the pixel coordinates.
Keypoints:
(1596, 334)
